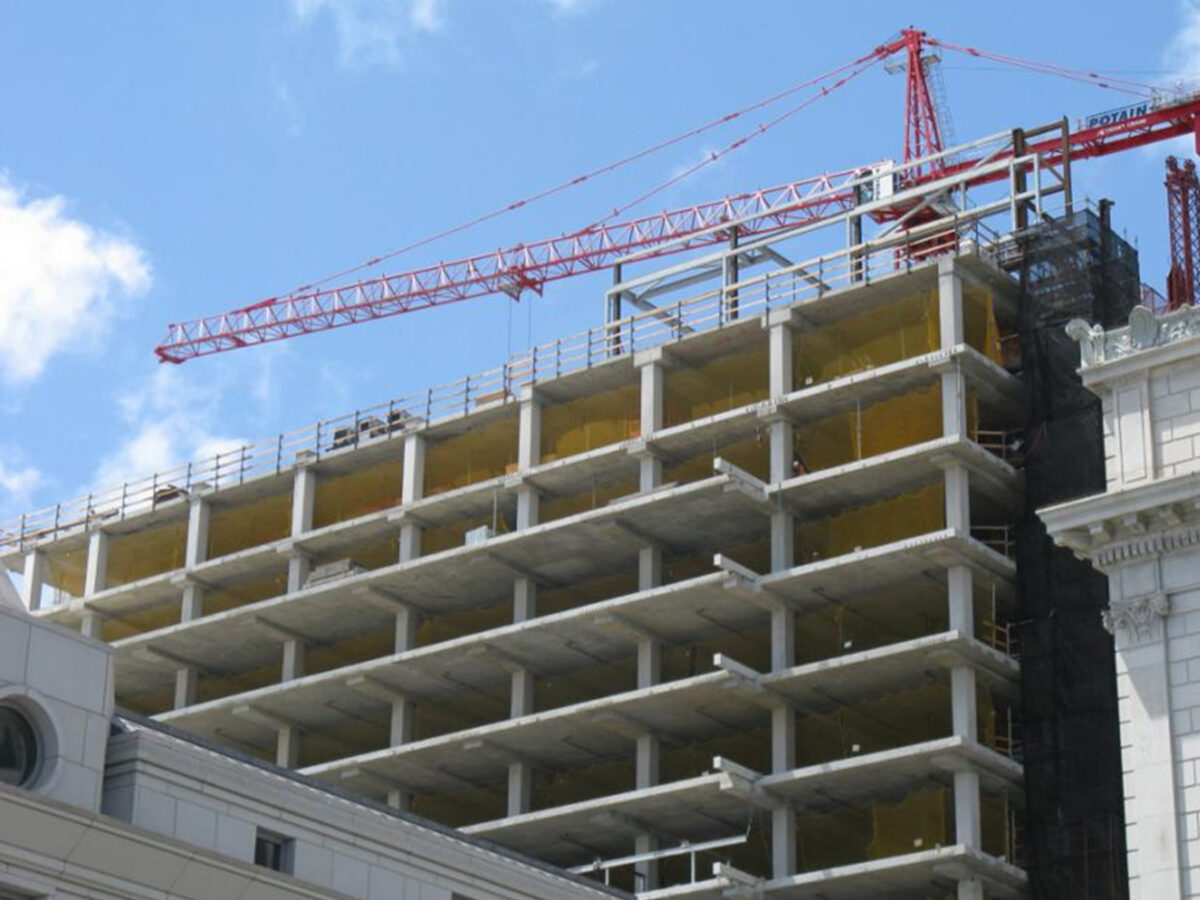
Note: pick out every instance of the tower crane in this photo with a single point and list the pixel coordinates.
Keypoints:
(528, 267)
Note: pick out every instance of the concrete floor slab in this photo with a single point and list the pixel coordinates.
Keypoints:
(914, 874)
(695, 516)
(899, 472)
(563, 642)
(695, 809)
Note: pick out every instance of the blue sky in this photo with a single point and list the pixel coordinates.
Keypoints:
(160, 161)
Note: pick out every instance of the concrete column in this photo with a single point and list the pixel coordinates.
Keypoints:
(34, 579)
(287, 747)
(653, 392)
(958, 499)
(186, 680)
(199, 516)
(521, 696)
(782, 440)
(950, 304)
(400, 726)
(412, 488)
(529, 454)
(954, 402)
(521, 701)
(196, 551)
(304, 494)
(192, 604)
(965, 723)
(781, 346)
(294, 657)
(960, 593)
(95, 579)
(96, 576)
(648, 762)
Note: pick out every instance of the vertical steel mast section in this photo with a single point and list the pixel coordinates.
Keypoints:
(1183, 215)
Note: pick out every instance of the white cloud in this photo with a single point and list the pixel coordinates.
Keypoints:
(374, 32)
(170, 420)
(17, 480)
(285, 102)
(60, 280)
(569, 7)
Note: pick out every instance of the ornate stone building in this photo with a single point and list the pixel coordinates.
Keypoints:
(1143, 532)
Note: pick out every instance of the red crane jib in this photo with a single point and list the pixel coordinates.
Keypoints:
(530, 266)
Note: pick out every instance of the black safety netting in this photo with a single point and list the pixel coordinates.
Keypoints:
(1073, 840)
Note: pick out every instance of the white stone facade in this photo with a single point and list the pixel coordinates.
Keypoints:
(1144, 533)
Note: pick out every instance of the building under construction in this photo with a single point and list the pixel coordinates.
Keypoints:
(722, 596)
(739, 595)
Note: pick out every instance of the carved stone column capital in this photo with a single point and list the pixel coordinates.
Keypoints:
(1139, 621)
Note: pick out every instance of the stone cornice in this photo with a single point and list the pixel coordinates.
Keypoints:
(1110, 530)
(1145, 331)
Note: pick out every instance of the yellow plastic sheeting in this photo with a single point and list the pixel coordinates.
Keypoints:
(245, 593)
(979, 322)
(751, 647)
(366, 490)
(150, 704)
(369, 645)
(921, 821)
(590, 422)
(352, 737)
(469, 709)
(454, 535)
(572, 596)
(756, 555)
(458, 624)
(558, 787)
(893, 720)
(65, 570)
(128, 625)
(599, 495)
(693, 392)
(476, 455)
(889, 520)
(900, 330)
(879, 428)
(234, 528)
(588, 683)
(374, 554)
(752, 454)
(228, 685)
(750, 747)
(465, 807)
(899, 613)
(994, 821)
(132, 557)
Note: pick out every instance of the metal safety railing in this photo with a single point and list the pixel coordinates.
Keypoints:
(605, 867)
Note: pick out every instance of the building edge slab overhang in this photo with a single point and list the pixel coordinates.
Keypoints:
(941, 869)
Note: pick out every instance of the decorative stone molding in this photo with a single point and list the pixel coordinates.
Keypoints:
(1137, 621)
(1144, 330)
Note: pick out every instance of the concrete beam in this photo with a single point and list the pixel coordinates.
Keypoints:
(96, 574)
(33, 579)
